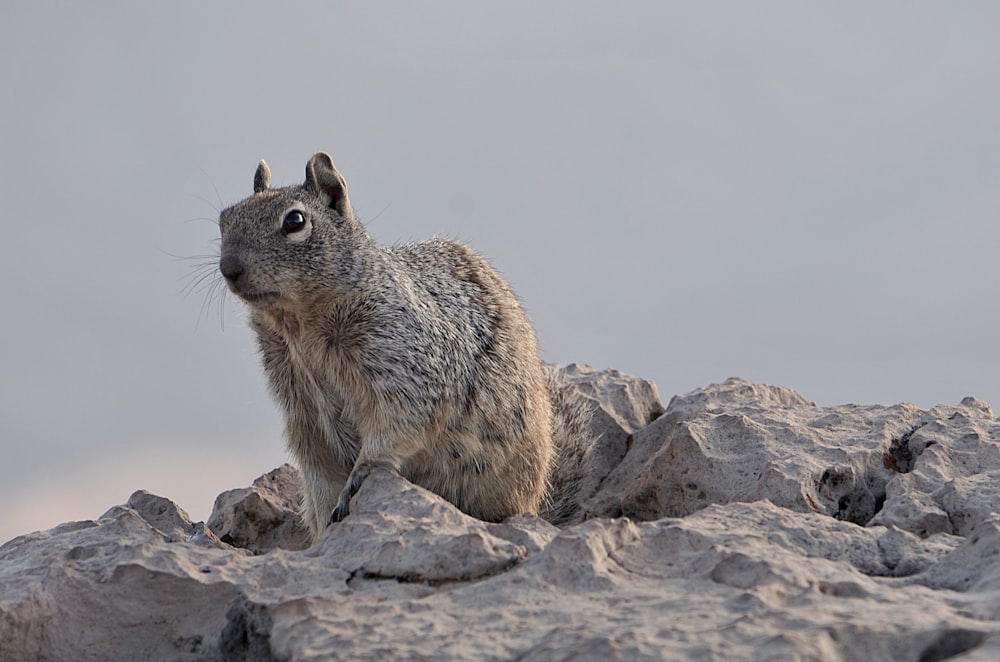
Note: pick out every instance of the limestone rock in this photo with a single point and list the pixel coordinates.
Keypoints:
(263, 516)
(617, 405)
(740, 441)
(759, 526)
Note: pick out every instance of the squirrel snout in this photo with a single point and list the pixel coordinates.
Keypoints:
(231, 267)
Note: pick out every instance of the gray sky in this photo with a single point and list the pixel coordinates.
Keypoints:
(802, 194)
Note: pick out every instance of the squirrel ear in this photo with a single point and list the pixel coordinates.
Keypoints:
(261, 178)
(326, 182)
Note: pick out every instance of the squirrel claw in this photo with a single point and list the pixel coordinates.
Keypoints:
(339, 513)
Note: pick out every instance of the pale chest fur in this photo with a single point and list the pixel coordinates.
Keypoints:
(316, 380)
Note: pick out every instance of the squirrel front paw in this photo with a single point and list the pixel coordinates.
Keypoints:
(358, 475)
(343, 508)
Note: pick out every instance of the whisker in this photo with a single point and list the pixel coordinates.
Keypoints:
(213, 296)
(209, 219)
(204, 278)
(199, 281)
(371, 221)
(214, 188)
(215, 291)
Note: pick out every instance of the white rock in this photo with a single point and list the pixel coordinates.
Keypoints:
(263, 516)
(760, 527)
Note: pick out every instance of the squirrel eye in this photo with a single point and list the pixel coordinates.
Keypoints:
(293, 222)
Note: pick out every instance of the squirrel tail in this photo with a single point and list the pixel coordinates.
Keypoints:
(570, 481)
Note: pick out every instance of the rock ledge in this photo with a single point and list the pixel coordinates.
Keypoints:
(741, 521)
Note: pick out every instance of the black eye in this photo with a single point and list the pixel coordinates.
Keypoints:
(293, 222)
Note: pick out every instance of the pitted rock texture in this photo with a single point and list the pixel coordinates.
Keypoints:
(740, 441)
(757, 526)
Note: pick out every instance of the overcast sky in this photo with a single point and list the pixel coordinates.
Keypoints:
(802, 194)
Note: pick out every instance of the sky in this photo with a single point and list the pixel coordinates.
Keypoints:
(802, 194)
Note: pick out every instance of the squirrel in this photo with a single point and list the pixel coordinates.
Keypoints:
(415, 357)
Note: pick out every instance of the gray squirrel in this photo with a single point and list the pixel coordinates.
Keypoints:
(417, 358)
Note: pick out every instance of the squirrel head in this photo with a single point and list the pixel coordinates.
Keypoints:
(279, 246)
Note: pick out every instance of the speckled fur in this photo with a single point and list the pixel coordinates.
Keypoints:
(416, 357)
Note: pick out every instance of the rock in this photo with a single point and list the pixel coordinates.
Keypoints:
(263, 516)
(759, 526)
(740, 441)
(402, 532)
(616, 405)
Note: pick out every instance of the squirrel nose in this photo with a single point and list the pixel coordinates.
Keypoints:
(231, 267)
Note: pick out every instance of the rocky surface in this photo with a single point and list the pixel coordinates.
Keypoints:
(739, 522)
